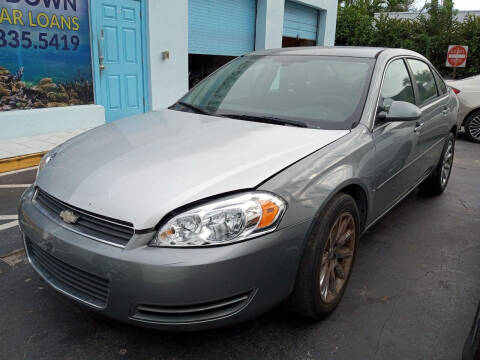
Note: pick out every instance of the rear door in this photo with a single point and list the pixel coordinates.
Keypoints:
(395, 142)
(433, 127)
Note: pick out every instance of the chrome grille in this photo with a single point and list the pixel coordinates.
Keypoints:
(71, 280)
(99, 227)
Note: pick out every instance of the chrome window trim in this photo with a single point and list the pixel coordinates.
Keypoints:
(437, 75)
(434, 102)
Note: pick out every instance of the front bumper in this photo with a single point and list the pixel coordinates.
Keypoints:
(164, 287)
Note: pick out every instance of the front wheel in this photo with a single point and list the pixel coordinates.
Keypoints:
(436, 183)
(327, 260)
(472, 126)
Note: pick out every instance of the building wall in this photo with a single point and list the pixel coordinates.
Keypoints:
(270, 14)
(168, 31)
(21, 123)
(40, 77)
(169, 78)
(167, 24)
(328, 19)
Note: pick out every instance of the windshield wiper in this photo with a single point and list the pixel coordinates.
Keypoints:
(265, 119)
(197, 109)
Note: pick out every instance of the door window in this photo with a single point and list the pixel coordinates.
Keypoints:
(442, 88)
(397, 85)
(423, 76)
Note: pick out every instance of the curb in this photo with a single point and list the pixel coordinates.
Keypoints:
(20, 162)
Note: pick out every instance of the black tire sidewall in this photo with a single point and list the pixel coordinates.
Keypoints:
(432, 186)
(451, 138)
(340, 204)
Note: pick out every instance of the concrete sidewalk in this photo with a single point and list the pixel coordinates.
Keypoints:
(24, 152)
(10, 148)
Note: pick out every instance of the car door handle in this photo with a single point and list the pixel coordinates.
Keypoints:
(445, 111)
(418, 127)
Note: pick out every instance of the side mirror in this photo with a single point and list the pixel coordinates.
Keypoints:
(400, 111)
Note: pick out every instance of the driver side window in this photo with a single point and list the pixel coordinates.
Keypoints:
(397, 86)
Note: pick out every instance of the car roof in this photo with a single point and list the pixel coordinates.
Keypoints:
(349, 51)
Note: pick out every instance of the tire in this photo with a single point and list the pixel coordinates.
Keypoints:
(472, 126)
(308, 298)
(437, 182)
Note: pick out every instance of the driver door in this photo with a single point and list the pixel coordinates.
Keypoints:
(395, 142)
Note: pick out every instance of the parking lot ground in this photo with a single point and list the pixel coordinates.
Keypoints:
(412, 295)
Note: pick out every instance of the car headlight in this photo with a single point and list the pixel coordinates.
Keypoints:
(223, 221)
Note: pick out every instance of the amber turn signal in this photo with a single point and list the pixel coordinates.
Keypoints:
(269, 213)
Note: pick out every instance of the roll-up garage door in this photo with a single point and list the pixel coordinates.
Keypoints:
(221, 27)
(300, 22)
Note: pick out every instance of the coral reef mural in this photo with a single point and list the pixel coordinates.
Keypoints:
(15, 94)
(45, 58)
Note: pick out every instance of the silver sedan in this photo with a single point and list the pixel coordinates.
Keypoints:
(251, 190)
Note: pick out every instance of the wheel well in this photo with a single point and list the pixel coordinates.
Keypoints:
(454, 130)
(360, 197)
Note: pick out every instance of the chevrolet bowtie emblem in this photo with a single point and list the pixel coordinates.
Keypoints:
(69, 217)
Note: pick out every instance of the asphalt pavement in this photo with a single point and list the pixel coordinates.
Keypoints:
(412, 295)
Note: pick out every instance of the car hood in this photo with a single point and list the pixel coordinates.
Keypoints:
(140, 168)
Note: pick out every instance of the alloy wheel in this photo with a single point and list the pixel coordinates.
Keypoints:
(474, 127)
(337, 257)
(447, 164)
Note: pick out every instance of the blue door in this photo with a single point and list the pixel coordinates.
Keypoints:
(118, 57)
(221, 27)
(300, 21)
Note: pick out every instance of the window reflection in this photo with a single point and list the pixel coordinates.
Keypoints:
(322, 91)
(396, 85)
(424, 79)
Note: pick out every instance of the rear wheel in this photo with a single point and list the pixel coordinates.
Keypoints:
(436, 183)
(472, 126)
(328, 259)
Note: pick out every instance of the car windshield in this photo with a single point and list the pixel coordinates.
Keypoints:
(315, 91)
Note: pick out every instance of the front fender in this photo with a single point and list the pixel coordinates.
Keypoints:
(309, 184)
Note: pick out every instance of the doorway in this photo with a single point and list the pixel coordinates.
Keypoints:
(118, 48)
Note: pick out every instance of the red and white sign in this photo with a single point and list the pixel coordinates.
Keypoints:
(457, 55)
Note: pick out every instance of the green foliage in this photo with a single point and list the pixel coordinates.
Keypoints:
(372, 6)
(428, 35)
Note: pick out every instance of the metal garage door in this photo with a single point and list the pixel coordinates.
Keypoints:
(300, 21)
(221, 27)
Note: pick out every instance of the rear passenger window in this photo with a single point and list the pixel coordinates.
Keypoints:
(423, 76)
(397, 85)
(442, 88)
